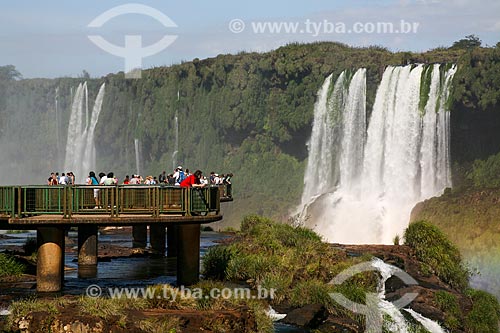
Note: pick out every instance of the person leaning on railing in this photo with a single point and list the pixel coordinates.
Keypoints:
(110, 179)
(193, 180)
(92, 180)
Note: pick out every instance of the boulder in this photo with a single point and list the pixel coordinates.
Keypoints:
(310, 316)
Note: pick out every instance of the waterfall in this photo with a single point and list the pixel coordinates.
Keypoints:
(333, 144)
(75, 131)
(138, 157)
(80, 146)
(428, 324)
(383, 170)
(399, 323)
(89, 160)
(58, 141)
(176, 146)
(353, 130)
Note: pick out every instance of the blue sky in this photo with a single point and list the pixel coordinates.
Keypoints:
(49, 39)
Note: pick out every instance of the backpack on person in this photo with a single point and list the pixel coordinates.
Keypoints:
(182, 176)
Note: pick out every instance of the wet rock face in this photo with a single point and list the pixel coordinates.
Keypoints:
(309, 316)
(340, 325)
(428, 284)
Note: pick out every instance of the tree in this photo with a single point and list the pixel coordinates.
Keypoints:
(85, 75)
(467, 43)
(9, 73)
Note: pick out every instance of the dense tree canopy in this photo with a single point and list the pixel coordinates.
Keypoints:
(467, 43)
(8, 73)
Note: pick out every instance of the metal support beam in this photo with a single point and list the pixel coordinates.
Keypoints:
(157, 238)
(172, 241)
(140, 236)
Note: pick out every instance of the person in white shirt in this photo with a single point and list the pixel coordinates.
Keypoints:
(103, 178)
(63, 180)
(134, 180)
(176, 176)
(110, 179)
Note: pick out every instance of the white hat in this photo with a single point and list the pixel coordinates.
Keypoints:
(179, 167)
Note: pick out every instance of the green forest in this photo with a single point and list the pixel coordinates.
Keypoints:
(250, 114)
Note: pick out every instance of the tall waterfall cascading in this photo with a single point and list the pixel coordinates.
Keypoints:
(383, 170)
(73, 142)
(176, 144)
(89, 155)
(333, 144)
(318, 174)
(80, 155)
(138, 157)
(353, 131)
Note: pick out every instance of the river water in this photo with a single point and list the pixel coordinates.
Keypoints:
(120, 272)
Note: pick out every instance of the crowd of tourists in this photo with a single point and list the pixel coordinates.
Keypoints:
(63, 179)
(179, 177)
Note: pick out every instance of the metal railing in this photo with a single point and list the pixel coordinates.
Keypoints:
(7, 201)
(115, 201)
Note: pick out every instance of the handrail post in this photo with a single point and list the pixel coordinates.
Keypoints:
(156, 201)
(121, 193)
(117, 199)
(65, 203)
(111, 202)
(69, 201)
(187, 198)
(19, 201)
(12, 210)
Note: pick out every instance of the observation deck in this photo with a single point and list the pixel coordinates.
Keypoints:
(170, 212)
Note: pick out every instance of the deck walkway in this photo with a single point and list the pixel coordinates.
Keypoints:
(171, 213)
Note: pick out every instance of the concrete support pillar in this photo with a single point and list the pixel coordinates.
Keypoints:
(188, 255)
(157, 238)
(172, 241)
(50, 261)
(140, 236)
(87, 251)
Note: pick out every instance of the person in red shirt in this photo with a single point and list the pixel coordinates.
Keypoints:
(193, 180)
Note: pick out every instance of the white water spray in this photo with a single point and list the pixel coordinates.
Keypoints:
(80, 146)
(360, 185)
(428, 324)
(176, 146)
(399, 323)
(334, 144)
(138, 157)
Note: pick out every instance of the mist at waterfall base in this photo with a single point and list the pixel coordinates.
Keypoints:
(364, 175)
